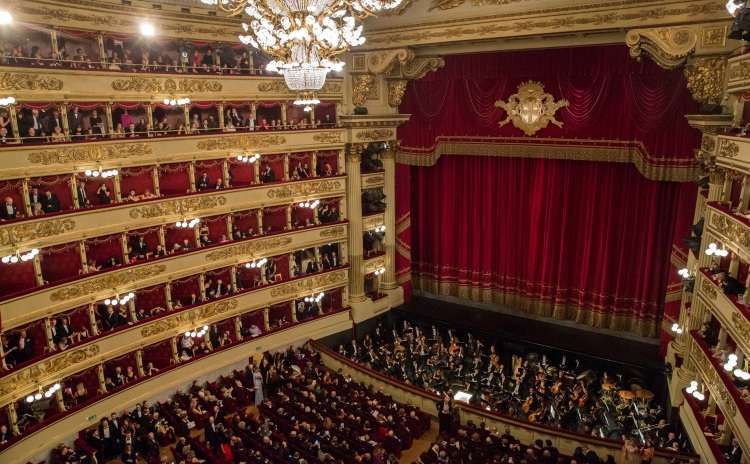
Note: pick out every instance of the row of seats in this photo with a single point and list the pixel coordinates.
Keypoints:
(56, 122)
(83, 388)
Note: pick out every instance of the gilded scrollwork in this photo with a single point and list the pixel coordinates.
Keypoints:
(713, 380)
(374, 180)
(29, 376)
(531, 108)
(249, 249)
(337, 231)
(91, 153)
(241, 142)
(375, 135)
(371, 222)
(396, 89)
(742, 325)
(168, 85)
(705, 79)
(195, 316)
(709, 289)
(275, 86)
(304, 189)
(361, 87)
(14, 234)
(669, 47)
(109, 281)
(728, 148)
(27, 81)
(732, 230)
(182, 206)
(328, 137)
(306, 285)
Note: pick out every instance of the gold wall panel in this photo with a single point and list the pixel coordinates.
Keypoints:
(738, 74)
(80, 224)
(372, 221)
(724, 310)
(50, 300)
(20, 383)
(38, 160)
(66, 429)
(730, 152)
(732, 233)
(372, 264)
(375, 179)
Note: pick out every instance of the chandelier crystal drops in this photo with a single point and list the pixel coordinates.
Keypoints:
(304, 37)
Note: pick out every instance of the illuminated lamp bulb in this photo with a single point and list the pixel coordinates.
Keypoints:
(5, 17)
(38, 396)
(187, 334)
(30, 399)
(14, 259)
(47, 394)
(6, 259)
(87, 172)
(147, 29)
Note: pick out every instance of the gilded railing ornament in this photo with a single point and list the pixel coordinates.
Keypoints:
(375, 135)
(27, 377)
(732, 230)
(742, 325)
(114, 280)
(194, 317)
(705, 79)
(361, 86)
(276, 86)
(15, 234)
(728, 148)
(306, 285)
(180, 206)
(374, 180)
(168, 85)
(371, 265)
(709, 289)
(303, 189)
(328, 137)
(27, 81)
(371, 222)
(90, 154)
(338, 231)
(396, 89)
(531, 108)
(714, 381)
(241, 142)
(249, 249)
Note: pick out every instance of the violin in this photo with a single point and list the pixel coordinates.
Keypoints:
(526, 406)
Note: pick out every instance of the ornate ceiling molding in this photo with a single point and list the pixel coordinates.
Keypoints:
(669, 47)
(612, 151)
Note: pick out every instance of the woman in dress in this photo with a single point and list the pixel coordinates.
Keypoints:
(258, 386)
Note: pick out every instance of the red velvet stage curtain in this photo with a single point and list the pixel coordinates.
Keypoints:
(611, 96)
(575, 240)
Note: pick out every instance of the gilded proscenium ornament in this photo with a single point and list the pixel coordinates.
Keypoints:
(304, 285)
(375, 135)
(249, 249)
(728, 148)
(26, 81)
(669, 47)
(31, 375)
(168, 85)
(90, 154)
(361, 87)
(163, 209)
(705, 79)
(241, 142)
(328, 137)
(396, 89)
(531, 108)
(194, 317)
(15, 234)
(114, 280)
(304, 189)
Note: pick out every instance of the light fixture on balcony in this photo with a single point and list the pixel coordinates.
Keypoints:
(185, 224)
(7, 101)
(177, 101)
(714, 250)
(20, 257)
(147, 29)
(380, 228)
(43, 393)
(314, 298)
(731, 362)
(119, 300)
(742, 375)
(100, 173)
(693, 390)
(684, 273)
(676, 328)
(5, 18)
(379, 271)
(197, 333)
(248, 158)
(258, 263)
(309, 204)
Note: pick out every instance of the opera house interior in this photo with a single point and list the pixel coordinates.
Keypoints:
(375, 231)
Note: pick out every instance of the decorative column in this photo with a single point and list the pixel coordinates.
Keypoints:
(124, 248)
(155, 180)
(13, 419)
(715, 185)
(13, 114)
(342, 163)
(221, 116)
(149, 116)
(343, 254)
(191, 176)
(197, 236)
(202, 286)
(139, 363)
(225, 177)
(266, 319)
(229, 223)
(292, 262)
(37, 263)
(256, 173)
(175, 353)
(289, 217)
(162, 237)
(342, 209)
(314, 164)
(82, 255)
(74, 191)
(259, 220)
(168, 296)
(294, 311)
(186, 116)
(60, 400)
(26, 198)
(233, 278)
(117, 189)
(102, 52)
(109, 120)
(131, 311)
(389, 163)
(100, 377)
(48, 335)
(238, 328)
(726, 191)
(284, 108)
(54, 44)
(92, 320)
(286, 167)
(354, 201)
(253, 111)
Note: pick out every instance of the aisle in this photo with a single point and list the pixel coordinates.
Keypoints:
(420, 445)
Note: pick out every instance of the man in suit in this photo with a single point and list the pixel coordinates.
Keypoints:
(9, 210)
(33, 121)
(35, 196)
(52, 121)
(50, 202)
(75, 120)
(5, 137)
(140, 249)
(202, 183)
(83, 198)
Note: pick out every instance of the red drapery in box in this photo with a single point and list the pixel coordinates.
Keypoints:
(213, 168)
(150, 237)
(17, 278)
(139, 180)
(302, 217)
(150, 298)
(241, 174)
(300, 160)
(278, 311)
(176, 234)
(217, 228)
(327, 163)
(92, 187)
(60, 262)
(89, 378)
(252, 318)
(245, 221)
(160, 354)
(274, 219)
(174, 179)
(325, 114)
(246, 277)
(276, 162)
(78, 319)
(183, 289)
(102, 248)
(58, 185)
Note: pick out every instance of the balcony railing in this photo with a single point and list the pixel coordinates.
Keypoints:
(112, 344)
(722, 388)
(695, 410)
(732, 229)
(42, 301)
(73, 225)
(733, 315)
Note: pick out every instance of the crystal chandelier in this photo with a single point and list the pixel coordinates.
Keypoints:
(303, 37)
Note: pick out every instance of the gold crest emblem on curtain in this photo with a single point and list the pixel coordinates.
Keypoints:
(531, 108)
